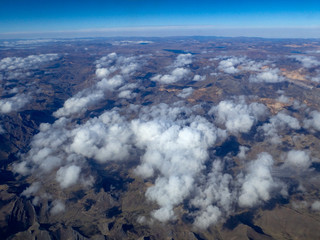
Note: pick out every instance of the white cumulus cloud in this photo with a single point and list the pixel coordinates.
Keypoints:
(258, 183)
(14, 103)
(238, 117)
(268, 75)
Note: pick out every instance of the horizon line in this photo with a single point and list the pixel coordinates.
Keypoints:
(171, 31)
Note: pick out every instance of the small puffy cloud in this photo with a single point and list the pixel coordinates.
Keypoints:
(268, 76)
(68, 175)
(258, 182)
(315, 206)
(176, 75)
(186, 92)
(315, 76)
(13, 104)
(129, 67)
(126, 91)
(283, 99)
(230, 65)
(79, 103)
(283, 118)
(316, 79)
(168, 192)
(297, 159)
(102, 72)
(110, 83)
(30, 191)
(210, 216)
(242, 152)
(199, 78)
(13, 90)
(253, 66)
(307, 61)
(57, 207)
(22, 168)
(238, 117)
(129, 86)
(128, 94)
(183, 60)
(106, 61)
(299, 205)
(314, 121)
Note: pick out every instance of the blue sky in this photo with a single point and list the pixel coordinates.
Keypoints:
(70, 15)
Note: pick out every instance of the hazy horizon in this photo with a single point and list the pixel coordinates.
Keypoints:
(170, 31)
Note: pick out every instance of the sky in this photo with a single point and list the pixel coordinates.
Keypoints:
(21, 16)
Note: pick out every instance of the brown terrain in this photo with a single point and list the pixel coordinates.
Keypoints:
(112, 208)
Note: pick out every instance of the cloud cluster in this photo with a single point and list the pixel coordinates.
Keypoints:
(307, 61)
(176, 152)
(264, 73)
(237, 116)
(65, 147)
(112, 71)
(178, 72)
(17, 67)
(215, 196)
(30, 62)
(233, 65)
(279, 122)
(174, 145)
